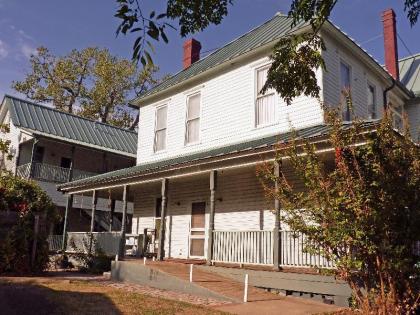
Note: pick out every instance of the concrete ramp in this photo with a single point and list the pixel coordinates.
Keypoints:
(149, 275)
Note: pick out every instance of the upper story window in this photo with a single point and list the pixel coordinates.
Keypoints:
(192, 131)
(396, 113)
(265, 107)
(160, 128)
(371, 101)
(345, 90)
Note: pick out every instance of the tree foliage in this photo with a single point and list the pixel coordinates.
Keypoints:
(295, 58)
(5, 144)
(91, 83)
(359, 206)
(21, 200)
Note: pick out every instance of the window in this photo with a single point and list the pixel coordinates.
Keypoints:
(345, 89)
(65, 162)
(192, 132)
(396, 116)
(371, 101)
(160, 128)
(39, 154)
(158, 216)
(265, 107)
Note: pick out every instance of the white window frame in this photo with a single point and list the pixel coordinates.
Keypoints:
(156, 129)
(257, 96)
(343, 101)
(186, 142)
(375, 98)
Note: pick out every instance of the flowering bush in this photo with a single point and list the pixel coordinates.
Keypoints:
(358, 202)
(21, 200)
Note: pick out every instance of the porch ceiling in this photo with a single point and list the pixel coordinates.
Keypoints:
(252, 151)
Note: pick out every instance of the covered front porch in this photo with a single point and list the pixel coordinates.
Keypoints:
(206, 206)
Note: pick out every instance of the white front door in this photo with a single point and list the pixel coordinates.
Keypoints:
(197, 230)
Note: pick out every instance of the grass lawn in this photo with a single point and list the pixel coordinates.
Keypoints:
(56, 296)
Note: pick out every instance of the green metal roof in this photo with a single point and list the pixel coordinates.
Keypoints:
(271, 30)
(410, 73)
(49, 122)
(267, 142)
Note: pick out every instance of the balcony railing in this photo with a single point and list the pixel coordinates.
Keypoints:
(50, 173)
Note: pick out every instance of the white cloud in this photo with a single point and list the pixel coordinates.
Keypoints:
(3, 50)
(27, 50)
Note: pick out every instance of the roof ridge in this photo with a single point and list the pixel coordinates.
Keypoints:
(65, 113)
(414, 56)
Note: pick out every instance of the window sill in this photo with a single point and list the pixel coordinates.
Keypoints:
(192, 144)
(265, 126)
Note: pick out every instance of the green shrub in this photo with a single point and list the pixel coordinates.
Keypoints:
(24, 199)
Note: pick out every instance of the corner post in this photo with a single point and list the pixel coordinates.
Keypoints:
(92, 221)
(112, 211)
(213, 188)
(70, 174)
(161, 248)
(69, 203)
(121, 251)
(276, 229)
(32, 166)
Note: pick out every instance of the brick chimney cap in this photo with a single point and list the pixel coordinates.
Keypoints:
(388, 13)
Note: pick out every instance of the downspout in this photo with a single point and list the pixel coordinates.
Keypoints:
(386, 92)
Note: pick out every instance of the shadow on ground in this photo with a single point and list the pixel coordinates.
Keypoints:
(29, 298)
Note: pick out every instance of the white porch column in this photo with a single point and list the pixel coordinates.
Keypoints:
(213, 187)
(92, 221)
(161, 247)
(123, 222)
(276, 230)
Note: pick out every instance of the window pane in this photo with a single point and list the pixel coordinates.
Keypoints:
(193, 131)
(371, 102)
(345, 77)
(160, 140)
(161, 117)
(193, 107)
(266, 111)
(261, 78)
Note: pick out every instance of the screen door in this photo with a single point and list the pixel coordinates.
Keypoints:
(197, 230)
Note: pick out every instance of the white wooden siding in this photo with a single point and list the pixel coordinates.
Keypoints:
(227, 115)
(413, 112)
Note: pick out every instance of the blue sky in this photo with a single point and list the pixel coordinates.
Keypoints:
(63, 25)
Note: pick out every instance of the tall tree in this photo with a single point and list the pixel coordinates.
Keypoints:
(91, 83)
(295, 58)
(57, 80)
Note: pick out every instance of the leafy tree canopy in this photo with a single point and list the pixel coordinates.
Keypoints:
(295, 58)
(91, 83)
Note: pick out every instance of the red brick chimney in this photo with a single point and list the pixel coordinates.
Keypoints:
(192, 49)
(390, 42)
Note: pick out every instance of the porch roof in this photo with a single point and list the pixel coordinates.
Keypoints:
(51, 123)
(207, 155)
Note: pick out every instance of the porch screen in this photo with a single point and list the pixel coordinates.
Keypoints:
(265, 107)
(192, 133)
(160, 128)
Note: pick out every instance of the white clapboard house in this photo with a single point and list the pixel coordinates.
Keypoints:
(53, 147)
(203, 131)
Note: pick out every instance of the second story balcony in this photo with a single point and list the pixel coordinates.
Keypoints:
(50, 173)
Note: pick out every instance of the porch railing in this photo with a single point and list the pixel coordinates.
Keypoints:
(108, 242)
(244, 247)
(51, 173)
(256, 247)
(293, 254)
(55, 242)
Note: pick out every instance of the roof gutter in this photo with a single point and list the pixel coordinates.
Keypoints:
(385, 95)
